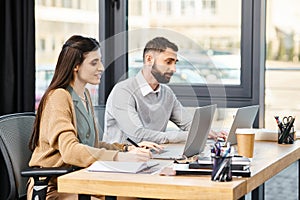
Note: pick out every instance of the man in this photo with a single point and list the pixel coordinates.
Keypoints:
(140, 107)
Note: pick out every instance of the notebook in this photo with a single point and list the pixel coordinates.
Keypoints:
(122, 167)
(244, 118)
(197, 136)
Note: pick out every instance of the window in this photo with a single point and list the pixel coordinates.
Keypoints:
(41, 44)
(209, 6)
(209, 50)
(209, 36)
(67, 4)
(226, 38)
(282, 61)
(162, 7)
(188, 8)
(66, 19)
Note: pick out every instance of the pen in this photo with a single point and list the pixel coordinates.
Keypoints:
(132, 142)
(279, 123)
(136, 145)
(286, 131)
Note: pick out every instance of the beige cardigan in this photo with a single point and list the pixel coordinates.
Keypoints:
(58, 143)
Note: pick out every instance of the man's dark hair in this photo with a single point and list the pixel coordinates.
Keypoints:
(159, 44)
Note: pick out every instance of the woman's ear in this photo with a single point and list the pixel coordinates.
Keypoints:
(76, 68)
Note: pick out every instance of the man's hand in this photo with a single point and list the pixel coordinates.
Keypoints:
(151, 146)
(215, 135)
(147, 145)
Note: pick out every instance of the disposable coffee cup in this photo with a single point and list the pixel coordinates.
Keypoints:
(245, 142)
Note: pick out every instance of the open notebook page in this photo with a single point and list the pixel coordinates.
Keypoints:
(117, 166)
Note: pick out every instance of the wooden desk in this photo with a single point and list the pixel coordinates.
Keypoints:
(269, 159)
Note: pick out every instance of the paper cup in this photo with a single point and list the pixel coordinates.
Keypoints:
(245, 142)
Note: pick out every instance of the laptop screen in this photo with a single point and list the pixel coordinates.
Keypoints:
(199, 130)
(244, 118)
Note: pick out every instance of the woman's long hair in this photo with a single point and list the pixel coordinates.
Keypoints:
(72, 54)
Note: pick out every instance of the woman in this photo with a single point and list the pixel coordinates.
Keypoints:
(64, 132)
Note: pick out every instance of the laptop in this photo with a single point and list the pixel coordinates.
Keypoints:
(244, 118)
(197, 136)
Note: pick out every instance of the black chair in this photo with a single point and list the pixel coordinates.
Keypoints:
(99, 115)
(15, 131)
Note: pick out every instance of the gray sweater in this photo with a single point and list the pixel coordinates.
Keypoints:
(134, 110)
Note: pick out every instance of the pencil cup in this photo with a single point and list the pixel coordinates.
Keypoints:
(221, 170)
(285, 136)
(286, 133)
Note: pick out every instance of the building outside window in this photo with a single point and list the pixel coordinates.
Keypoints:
(282, 61)
(55, 22)
(209, 43)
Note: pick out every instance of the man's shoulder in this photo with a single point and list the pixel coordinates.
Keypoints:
(127, 83)
(165, 88)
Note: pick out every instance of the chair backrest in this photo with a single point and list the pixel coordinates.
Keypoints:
(15, 131)
(99, 115)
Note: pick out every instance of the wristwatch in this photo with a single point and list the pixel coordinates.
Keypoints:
(125, 148)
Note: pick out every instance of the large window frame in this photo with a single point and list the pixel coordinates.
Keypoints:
(113, 21)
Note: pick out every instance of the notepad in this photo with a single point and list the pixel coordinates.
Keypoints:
(122, 167)
(266, 135)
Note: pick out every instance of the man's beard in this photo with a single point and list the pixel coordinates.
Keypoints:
(161, 77)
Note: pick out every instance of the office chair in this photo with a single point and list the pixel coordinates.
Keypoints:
(99, 115)
(15, 131)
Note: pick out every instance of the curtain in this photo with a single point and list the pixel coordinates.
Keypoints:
(17, 53)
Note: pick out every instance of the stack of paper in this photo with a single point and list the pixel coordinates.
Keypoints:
(239, 167)
(238, 163)
(267, 135)
(117, 166)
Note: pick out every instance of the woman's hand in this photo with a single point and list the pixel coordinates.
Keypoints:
(148, 145)
(134, 155)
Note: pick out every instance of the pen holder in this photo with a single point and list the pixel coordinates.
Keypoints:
(285, 136)
(221, 169)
